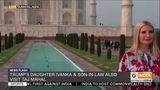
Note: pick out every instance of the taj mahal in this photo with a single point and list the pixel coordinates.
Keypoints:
(58, 16)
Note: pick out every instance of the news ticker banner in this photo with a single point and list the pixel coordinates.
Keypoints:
(25, 77)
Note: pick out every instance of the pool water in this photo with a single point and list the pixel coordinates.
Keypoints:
(45, 57)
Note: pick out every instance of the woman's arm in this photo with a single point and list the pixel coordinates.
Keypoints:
(123, 68)
(123, 88)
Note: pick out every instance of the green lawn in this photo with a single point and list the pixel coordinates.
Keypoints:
(101, 62)
(5, 55)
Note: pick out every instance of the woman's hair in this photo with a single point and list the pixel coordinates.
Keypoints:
(135, 46)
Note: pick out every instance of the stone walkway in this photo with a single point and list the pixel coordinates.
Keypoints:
(14, 62)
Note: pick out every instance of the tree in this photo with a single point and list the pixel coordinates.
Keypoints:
(99, 47)
(92, 44)
(16, 38)
(65, 39)
(82, 41)
(109, 54)
(23, 36)
(158, 38)
(86, 42)
(122, 46)
(10, 40)
(76, 41)
(0, 42)
(6, 41)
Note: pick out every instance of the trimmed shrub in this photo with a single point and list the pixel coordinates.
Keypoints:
(92, 44)
(0, 42)
(122, 46)
(6, 41)
(68, 39)
(82, 41)
(86, 42)
(23, 35)
(10, 40)
(158, 38)
(72, 40)
(65, 42)
(109, 54)
(16, 39)
(60, 37)
(99, 47)
(76, 41)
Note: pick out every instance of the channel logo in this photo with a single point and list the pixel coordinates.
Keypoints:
(141, 76)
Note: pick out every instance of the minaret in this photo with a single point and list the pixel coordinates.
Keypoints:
(93, 12)
(2, 11)
(126, 18)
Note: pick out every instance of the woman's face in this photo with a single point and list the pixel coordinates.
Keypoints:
(146, 35)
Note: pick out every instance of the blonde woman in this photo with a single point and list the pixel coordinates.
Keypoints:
(144, 55)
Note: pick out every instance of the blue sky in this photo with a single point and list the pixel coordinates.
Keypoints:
(109, 12)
